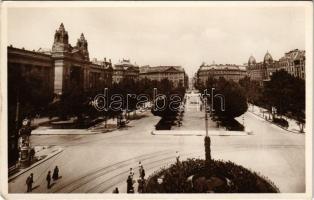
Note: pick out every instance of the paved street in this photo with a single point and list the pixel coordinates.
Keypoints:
(100, 162)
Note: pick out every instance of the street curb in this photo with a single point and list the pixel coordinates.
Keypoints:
(275, 124)
(34, 165)
(247, 133)
(55, 132)
(66, 134)
(90, 132)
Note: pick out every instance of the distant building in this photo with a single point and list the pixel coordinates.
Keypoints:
(262, 70)
(293, 62)
(125, 69)
(100, 75)
(175, 74)
(227, 71)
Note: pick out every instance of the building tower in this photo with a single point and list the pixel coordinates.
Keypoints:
(268, 66)
(251, 61)
(61, 40)
(82, 45)
(60, 50)
(268, 59)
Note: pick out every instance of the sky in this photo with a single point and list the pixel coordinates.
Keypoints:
(185, 36)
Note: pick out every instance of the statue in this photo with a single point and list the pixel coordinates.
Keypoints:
(25, 151)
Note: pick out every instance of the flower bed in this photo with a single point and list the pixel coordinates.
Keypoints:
(191, 176)
(281, 122)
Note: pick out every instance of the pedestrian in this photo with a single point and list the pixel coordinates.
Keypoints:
(140, 164)
(141, 183)
(48, 179)
(31, 155)
(131, 172)
(115, 191)
(55, 174)
(29, 182)
(142, 172)
(177, 156)
(129, 181)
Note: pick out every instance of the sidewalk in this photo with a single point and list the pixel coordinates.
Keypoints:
(39, 121)
(263, 113)
(194, 115)
(42, 154)
(111, 123)
(48, 131)
(98, 128)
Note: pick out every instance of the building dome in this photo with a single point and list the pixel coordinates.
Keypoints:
(251, 61)
(268, 58)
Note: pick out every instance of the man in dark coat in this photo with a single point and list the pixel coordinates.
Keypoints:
(31, 155)
(129, 182)
(142, 172)
(48, 179)
(141, 183)
(55, 174)
(29, 183)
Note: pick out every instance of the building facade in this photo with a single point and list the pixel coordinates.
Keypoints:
(228, 72)
(262, 70)
(293, 62)
(28, 64)
(175, 74)
(125, 70)
(73, 68)
(64, 67)
(100, 75)
(35, 77)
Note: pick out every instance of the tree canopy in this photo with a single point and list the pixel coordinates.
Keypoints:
(230, 99)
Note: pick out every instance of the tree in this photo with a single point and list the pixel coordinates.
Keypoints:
(167, 107)
(252, 89)
(287, 94)
(278, 91)
(235, 103)
(297, 104)
(161, 108)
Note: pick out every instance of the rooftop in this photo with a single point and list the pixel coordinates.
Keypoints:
(205, 67)
(157, 69)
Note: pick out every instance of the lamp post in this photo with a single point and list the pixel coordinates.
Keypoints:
(206, 116)
(207, 139)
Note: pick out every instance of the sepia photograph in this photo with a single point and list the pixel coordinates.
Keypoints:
(129, 99)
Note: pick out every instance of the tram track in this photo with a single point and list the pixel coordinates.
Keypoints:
(77, 183)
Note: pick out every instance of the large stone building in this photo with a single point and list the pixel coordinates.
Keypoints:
(35, 77)
(73, 67)
(262, 70)
(125, 70)
(26, 64)
(227, 71)
(293, 62)
(100, 75)
(175, 74)
(64, 67)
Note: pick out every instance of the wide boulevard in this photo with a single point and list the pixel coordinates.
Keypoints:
(97, 163)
